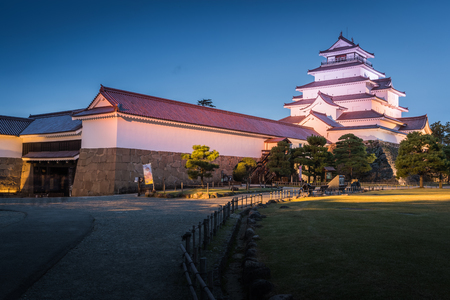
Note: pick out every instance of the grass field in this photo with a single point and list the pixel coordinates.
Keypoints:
(378, 245)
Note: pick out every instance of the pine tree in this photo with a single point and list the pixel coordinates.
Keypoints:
(241, 170)
(205, 102)
(199, 162)
(313, 156)
(351, 156)
(420, 154)
(279, 160)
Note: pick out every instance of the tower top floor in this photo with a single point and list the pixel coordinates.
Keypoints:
(344, 51)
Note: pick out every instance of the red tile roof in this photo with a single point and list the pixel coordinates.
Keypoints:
(335, 99)
(300, 102)
(414, 123)
(354, 97)
(327, 98)
(324, 118)
(13, 125)
(293, 119)
(364, 114)
(351, 46)
(336, 66)
(384, 83)
(170, 110)
(333, 82)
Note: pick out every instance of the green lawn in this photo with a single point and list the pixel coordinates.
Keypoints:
(379, 245)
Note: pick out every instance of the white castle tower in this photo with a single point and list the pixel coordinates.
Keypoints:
(349, 96)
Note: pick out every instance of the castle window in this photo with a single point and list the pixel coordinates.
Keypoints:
(341, 57)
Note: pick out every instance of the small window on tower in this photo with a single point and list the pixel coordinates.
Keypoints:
(341, 57)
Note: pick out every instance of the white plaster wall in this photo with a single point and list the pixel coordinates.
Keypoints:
(317, 124)
(10, 146)
(148, 136)
(99, 133)
(368, 134)
(347, 89)
(360, 122)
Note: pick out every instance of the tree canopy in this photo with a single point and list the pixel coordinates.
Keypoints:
(420, 154)
(280, 160)
(351, 156)
(441, 132)
(199, 163)
(242, 170)
(205, 102)
(314, 156)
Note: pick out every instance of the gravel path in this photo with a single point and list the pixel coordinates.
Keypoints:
(132, 253)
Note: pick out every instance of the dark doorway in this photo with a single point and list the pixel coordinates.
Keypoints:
(53, 179)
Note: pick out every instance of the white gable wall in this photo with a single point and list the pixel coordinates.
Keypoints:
(99, 133)
(367, 134)
(10, 146)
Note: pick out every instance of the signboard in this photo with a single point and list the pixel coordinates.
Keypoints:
(148, 175)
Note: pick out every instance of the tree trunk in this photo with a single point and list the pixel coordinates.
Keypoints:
(421, 181)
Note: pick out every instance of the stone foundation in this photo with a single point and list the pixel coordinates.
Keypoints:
(383, 168)
(107, 171)
(10, 174)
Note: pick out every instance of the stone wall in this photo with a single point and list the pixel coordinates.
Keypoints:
(10, 174)
(383, 168)
(113, 170)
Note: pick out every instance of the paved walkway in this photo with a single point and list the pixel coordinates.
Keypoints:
(131, 253)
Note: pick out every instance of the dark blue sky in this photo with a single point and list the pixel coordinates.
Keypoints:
(247, 56)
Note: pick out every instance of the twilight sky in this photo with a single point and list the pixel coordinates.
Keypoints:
(247, 56)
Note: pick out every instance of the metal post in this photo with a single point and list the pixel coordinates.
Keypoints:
(245, 201)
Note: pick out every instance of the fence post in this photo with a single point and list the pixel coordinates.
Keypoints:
(188, 240)
(194, 252)
(210, 281)
(215, 223)
(203, 294)
(251, 201)
(199, 240)
(232, 205)
(211, 228)
(245, 201)
(224, 208)
(205, 232)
